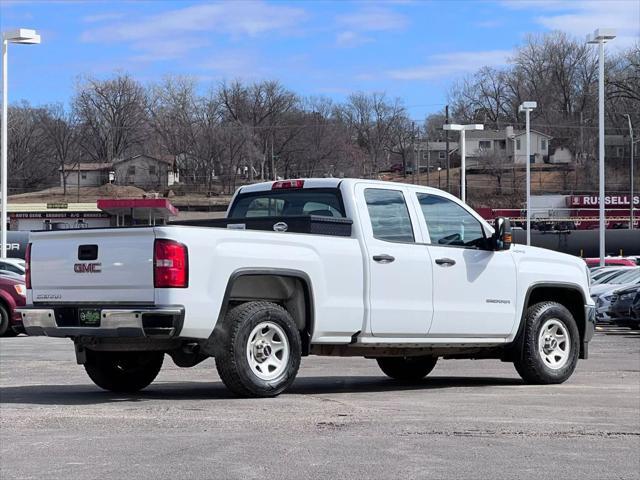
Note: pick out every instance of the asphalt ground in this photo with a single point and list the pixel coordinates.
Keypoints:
(341, 419)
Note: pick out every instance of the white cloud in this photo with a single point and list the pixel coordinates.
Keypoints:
(373, 19)
(102, 17)
(350, 38)
(448, 64)
(232, 65)
(188, 25)
(583, 17)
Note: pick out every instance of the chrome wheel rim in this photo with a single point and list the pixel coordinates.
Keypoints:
(268, 351)
(554, 344)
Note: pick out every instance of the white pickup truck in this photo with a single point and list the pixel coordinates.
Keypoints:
(402, 274)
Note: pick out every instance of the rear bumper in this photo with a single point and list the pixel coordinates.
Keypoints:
(130, 322)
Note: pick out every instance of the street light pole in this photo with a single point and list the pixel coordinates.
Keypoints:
(600, 37)
(526, 107)
(632, 198)
(23, 36)
(463, 153)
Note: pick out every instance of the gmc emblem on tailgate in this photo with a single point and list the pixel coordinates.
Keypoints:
(87, 267)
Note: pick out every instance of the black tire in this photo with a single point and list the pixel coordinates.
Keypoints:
(232, 362)
(5, 323)
(407, 368)
(123, 372)
(531, 363)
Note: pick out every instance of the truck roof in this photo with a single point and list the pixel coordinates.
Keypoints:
(327, 183)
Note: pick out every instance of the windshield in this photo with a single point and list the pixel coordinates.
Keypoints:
(325, 202)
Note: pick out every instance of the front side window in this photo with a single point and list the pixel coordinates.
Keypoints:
(517, 144)
(131, 170)
(389, 215)
(543, 144)
(449, 223)
(441, 155)
(485, 144)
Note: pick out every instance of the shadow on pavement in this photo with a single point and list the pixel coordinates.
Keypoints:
(86, 394)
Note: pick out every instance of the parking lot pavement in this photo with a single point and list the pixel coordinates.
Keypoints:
(341, 419)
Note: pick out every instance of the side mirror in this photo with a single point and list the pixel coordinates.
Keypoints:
(502, 236)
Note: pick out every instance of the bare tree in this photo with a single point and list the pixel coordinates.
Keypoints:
(111, 116)
(61, 134)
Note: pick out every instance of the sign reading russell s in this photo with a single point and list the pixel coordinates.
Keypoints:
(609, 200)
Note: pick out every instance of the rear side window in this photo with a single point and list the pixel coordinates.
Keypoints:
(389, 216)
(325, 202)
(449, 223)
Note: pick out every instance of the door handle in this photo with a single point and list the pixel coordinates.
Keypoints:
(384, 258)
(445, 262)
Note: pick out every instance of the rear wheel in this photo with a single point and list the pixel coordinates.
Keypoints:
(407, 368)
(5, 324)
(261, 350)
(123, 372)
(551, 344)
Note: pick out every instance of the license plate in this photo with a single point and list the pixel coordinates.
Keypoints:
(89, 317)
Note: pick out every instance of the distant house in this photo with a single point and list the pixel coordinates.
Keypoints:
(144, 171)
(434, 154)
(508, 143)
(617, 147)
(86, 174)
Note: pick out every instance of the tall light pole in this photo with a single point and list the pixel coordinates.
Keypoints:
(600, 37)
(463, 153)
(23, 36)
(526, 107)
(631, 209)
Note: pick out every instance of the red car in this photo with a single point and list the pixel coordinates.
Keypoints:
(12, 295)
(611, 261)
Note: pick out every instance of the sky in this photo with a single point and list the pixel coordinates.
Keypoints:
(414, 50)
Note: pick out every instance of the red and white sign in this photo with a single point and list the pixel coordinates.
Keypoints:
(619, 201)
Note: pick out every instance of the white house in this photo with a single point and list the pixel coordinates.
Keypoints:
(490, 143)
(144, 171)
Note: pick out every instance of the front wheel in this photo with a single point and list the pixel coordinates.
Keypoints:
(551, 344)
(261, 350)
(407, 368)
(123, 372)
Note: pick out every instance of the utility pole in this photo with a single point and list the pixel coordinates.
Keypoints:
(273, 161)
(631, 201)
(446, 136)
(413, 148)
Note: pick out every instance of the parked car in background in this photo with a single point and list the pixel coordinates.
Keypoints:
(602, 274)
(12, 295)
(621, 304)
(602, 293)
(635, 309)
(12, 265)
(610, 261)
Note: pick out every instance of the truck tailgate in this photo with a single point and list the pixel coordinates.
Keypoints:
(93, 266)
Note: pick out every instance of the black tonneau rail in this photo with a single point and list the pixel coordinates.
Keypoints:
(314, 224)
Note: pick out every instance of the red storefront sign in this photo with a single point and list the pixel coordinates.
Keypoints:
(613, 201)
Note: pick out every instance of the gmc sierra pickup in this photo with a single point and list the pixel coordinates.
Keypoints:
(398, 273)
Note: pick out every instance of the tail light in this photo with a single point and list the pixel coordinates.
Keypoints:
(27, 266)
(170, 264)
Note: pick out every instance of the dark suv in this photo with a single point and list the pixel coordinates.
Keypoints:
(621, 310)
